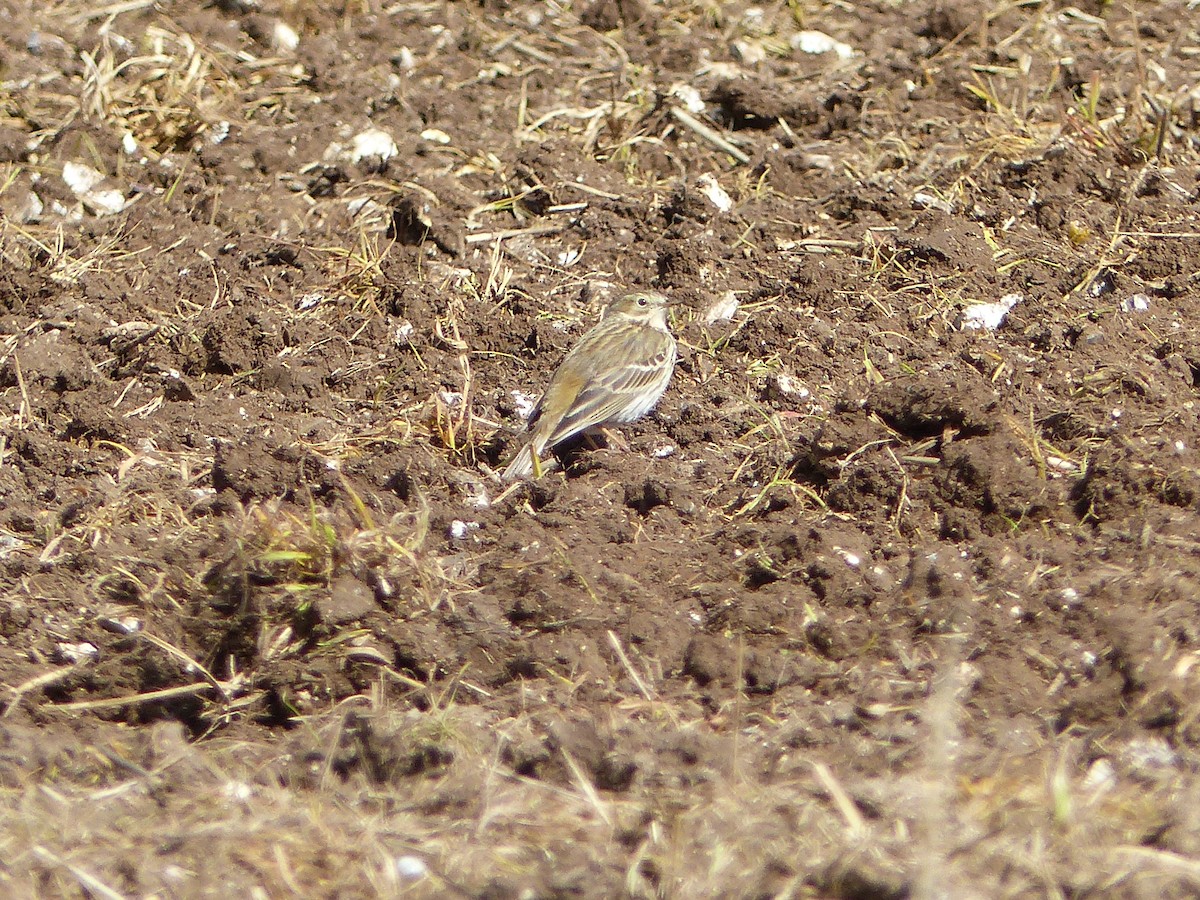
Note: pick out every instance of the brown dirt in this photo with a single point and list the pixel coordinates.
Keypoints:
(876, 605)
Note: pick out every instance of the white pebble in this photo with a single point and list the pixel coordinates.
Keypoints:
(80, 178)
(460, 529)
(926, 200)
(716, 194)
(237, 790)
(819, 42)
(524, 403)
(405, 59)
(988, 316)
(789, 385)
(373, 143)
(689, 96)
(78, 653)
(284, 37)
(411, 868)
(402, 332)
(32, 210)
(1101, 777)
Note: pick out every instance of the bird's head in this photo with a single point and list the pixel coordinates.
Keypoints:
(644, 307)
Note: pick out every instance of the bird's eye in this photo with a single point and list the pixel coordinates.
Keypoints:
(641, 301)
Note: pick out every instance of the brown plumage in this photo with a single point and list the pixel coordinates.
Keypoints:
(615, 374)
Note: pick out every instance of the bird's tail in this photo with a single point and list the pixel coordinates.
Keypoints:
(521, 465)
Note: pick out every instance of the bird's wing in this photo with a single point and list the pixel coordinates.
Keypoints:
(626, 373)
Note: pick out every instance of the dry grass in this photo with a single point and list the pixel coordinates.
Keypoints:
(355, 802)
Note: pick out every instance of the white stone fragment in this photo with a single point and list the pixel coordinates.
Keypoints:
(80, 178)
(1101, 777)
(355, 205)
(411, 868)
(716, 194)
(749, 52)
(104, 203)
(789, 385)
(722, 309)
(32, 209)
(373, 143)
(218, 133)
(435, 136)
(478, 497)
(237, 791)
(405, 60)
(988, 316)
(663, 451)
(284, 37)
(460, 529)
(1136, 303)
(926, 200)
(84, 651)
(688, 96)
(402, 333)
(524, 403)
(129, 143)
(84, 182)
(820, 42)
(1070, 597)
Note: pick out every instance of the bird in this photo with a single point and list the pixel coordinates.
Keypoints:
(615, 374)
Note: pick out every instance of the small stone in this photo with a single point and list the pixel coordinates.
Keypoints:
(373, 145)
(988, 316)
(1136, 303)
(817, 42)
(411, 868)
(284, 38)
(716, 194)
(82, 652)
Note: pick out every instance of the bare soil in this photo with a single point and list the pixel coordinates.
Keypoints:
(876, 604)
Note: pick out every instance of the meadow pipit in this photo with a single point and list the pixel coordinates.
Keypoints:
(615, 374)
